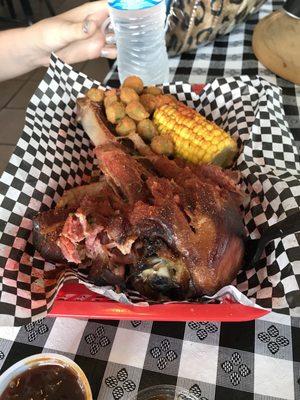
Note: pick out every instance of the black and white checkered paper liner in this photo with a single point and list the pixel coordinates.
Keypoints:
(54, 154)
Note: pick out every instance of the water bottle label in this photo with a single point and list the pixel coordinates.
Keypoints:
(133, 4)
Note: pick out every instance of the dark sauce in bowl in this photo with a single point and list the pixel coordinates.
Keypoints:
(45, 382)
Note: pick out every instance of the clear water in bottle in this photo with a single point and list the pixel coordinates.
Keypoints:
(139, 27)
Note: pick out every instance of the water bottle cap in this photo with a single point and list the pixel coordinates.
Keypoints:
(133, 4)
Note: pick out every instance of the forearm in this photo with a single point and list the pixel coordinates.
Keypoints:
(18, 52)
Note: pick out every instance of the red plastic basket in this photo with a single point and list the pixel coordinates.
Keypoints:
(75, 300)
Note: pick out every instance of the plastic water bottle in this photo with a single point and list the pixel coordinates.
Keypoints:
(139, 27)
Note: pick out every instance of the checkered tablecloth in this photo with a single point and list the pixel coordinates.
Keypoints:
(256, 360)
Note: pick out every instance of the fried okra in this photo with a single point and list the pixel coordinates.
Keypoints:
(135, 83)
(146, 129)
(149, 102)
(95, 94)
(115, 112)
(127, 95)
(136, 111)
(152, 90)
(125, 126)
(162, 145)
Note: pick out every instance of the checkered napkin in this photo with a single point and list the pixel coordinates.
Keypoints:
(54, 154)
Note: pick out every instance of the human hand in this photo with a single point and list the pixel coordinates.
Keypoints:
(75, 35)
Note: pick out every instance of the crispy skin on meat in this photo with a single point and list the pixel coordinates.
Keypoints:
(175, 227)
(73, 197)
(204, 230)
(125, 175)
(47, 227)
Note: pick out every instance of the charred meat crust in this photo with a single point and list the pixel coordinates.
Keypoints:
(47, 227)
(175, 228)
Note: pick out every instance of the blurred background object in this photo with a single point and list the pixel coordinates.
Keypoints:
(193, 23)
(15, 13)
(276, 41)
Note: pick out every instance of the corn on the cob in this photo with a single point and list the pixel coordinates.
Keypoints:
(195, 139)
